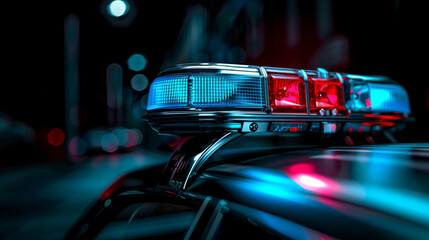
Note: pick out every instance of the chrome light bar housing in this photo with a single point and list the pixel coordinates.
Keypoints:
(215, 97)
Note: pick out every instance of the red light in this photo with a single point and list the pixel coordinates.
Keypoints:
(306, 176)
(383, 117)
(112, 188)
(56, 137)
(327, 94)
(294, 129)
(368, 103)
(287, 93)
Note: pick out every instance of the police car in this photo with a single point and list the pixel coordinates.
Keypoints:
(271, 153)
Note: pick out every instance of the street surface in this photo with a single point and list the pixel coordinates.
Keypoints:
(43, 201)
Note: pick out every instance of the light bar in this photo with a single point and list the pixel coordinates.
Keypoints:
(207, 97)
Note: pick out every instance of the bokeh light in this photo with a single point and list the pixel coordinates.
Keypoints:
(77, 147)
(143, 102)
(139, 82)
(109, 142)
(137, 62)
(56, 137)
(117, 8)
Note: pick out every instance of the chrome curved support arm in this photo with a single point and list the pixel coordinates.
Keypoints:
(191, 156)
(202, 157)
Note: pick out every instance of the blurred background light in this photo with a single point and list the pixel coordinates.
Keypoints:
(56, 137)
(109, 142)
(137, 62)
(139, 82)
(77, 147)
(143, 102)
(117, 8)
(119, 13)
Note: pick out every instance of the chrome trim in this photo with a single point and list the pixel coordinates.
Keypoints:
(267, 94)
(322, 73)
(304, 76)
(339, 77)
(213, 67)
(200, 158)
(281, 70)
(192, 122)
(369, 78)
(246, 116)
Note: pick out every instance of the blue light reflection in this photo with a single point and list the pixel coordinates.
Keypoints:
(270, 182)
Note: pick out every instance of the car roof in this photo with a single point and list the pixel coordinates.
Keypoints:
(346, 186)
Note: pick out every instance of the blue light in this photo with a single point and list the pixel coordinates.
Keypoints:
(109, 142)
(270, 176)
(206, 90)
(388, 98)
(378, 98)
(263, 182)
(392, 200)
(226, 91)
(168, 92)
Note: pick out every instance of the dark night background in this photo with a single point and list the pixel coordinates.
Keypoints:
(362, 37)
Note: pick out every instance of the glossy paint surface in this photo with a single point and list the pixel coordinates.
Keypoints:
(379, 189)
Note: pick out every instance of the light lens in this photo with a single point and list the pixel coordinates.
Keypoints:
(358, 98)
(169, 91)
(287, 93)
(213, 91)
(388, 98)
(377, 98)
(206, 90)
(326, 94)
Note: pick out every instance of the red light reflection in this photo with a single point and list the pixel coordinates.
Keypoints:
(305, 175)
(112, 188)
(368, 103)
(383, 117)
(131, 138)
(294, 129)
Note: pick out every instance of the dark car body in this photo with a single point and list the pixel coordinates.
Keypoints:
(252, 188)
